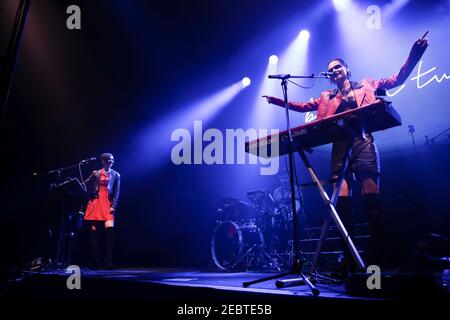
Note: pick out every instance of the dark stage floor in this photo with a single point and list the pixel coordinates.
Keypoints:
(182, 285)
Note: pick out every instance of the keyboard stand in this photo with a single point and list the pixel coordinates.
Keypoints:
(330, 204)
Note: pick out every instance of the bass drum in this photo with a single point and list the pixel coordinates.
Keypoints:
(231, 241)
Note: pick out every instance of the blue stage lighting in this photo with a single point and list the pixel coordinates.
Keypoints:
(246, 82)
(304, 35)
(341, 4)
(273, 59)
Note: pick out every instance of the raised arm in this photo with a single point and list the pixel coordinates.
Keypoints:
(395, 80)
(312, 105)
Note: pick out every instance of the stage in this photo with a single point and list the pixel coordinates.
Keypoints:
(178, 286)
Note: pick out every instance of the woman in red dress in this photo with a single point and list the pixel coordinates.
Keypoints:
(103, 190)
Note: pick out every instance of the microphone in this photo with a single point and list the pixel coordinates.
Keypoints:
(279, 76)
(87, 160)
(326, 74)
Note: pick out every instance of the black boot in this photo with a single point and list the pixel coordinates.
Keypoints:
(345, 211)
(375, 212)
(94, 248)
(109, 246)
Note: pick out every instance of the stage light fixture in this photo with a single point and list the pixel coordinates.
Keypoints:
(304, 35)
(246, 81)
(341, 4)
(273, 59)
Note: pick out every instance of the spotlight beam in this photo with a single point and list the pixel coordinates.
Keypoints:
(148, 153)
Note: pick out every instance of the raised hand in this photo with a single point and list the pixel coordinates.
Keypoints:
(272, 100)
(419, 48)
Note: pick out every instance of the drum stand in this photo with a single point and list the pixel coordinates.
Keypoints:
(276, 243)
(268, 250)
(257, 252)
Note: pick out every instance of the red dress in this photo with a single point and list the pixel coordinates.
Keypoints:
(99, 209)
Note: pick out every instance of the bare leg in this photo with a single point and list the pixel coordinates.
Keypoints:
(369, 183)
(345, 190)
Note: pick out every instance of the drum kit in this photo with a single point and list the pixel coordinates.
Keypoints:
(253, 236)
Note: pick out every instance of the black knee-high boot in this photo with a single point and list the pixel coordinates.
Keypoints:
(94, 248)
(109, 246)
(374, 209)
(345, 211)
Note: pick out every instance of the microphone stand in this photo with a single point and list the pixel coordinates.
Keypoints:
(411, 131)
(58, 171)
(297, 265)
(59, 258)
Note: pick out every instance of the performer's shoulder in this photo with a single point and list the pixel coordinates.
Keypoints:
(367, 82)
(116, 173)
(327, 92)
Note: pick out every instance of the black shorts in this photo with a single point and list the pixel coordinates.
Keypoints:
(363, 155)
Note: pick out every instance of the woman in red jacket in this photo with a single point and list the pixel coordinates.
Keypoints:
(364, 159)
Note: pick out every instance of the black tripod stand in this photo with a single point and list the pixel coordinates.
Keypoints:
(66, 219)
(297, 264)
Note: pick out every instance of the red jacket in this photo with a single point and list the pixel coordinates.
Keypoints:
(330, 100)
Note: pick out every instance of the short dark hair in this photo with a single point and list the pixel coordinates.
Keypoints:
(344, 64)
(105, 156)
